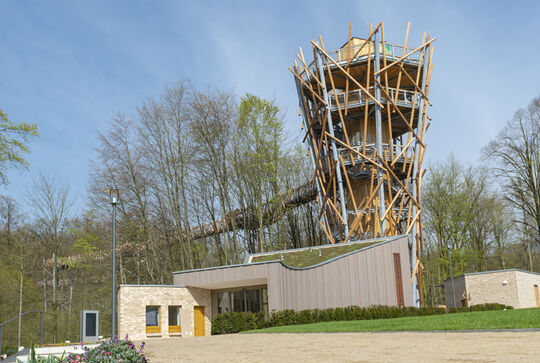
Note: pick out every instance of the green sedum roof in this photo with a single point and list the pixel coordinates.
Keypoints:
(307, 258)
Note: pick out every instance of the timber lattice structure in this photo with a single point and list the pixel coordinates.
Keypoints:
(364, 110)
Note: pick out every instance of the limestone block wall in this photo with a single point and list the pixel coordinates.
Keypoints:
(485, 288)
(133, 299)
(525, 283)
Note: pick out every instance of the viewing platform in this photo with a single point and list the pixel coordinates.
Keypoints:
(359, 53)
(395, 159)
(358, 98)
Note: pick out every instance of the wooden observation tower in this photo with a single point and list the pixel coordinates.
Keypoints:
(364, 116)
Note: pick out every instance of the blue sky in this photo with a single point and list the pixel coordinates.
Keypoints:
(71, 66)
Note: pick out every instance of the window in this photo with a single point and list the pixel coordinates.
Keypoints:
(152, 319)
(264, 295)
(238, 302)
(174, 319)
(223, 302)
(253, 300)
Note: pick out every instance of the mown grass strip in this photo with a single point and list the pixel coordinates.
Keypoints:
(501, 319)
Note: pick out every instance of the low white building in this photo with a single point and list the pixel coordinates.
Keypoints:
(514, 287)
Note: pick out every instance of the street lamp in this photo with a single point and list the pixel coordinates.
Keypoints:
(451, 273)
(114, 194)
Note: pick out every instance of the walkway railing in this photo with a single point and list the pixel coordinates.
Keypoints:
(358, 98)
(392, 52)
(20, 316)
(370, 148)
(389, 49)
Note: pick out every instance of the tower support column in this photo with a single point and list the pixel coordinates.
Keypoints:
(310, 143)
(339, 178)
(378, 128)
(413, 235)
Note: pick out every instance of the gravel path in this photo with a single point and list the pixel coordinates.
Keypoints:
(350, 347)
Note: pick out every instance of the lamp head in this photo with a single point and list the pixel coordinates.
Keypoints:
(114, 194)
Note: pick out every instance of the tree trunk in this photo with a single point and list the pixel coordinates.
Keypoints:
(20, 310)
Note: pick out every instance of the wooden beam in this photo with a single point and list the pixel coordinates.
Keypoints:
(348, 70)
(367, 204)
(330, 76)
(388, 98)
(328, 235)
(301, 57)
(347, 74)
(402, 151)
(404, 50)
(353, 150)
(305, 84)
(399, 181)
(406, 56)
(351, 193)
(368, 41)
(412, 222)
(391, 204)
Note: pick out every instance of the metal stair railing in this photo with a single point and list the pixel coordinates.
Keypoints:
(20, 316)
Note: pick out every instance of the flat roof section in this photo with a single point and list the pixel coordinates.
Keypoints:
(493, 272)
(310, 257)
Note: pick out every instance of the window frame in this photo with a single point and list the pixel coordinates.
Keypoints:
(174, 328)
(153, 329)
(262, 297)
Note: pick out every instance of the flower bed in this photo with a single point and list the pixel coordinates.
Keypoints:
(111, 351)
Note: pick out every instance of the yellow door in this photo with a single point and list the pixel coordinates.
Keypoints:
(198, 312)
(537, 295)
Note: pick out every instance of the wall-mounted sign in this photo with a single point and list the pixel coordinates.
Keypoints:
(89, 326)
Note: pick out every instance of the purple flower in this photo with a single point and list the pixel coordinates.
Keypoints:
(127, 337)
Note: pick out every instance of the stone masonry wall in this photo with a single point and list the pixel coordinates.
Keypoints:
(133, 299)
(526, 282)
(489, 288)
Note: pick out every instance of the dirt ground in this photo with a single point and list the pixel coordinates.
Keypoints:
(350, 347)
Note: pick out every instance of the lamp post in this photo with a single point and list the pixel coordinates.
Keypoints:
(451, 273)
(114, 194)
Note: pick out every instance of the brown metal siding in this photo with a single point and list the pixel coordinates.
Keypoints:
(364, 278)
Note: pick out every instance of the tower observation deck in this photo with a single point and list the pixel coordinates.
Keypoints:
(364, 111)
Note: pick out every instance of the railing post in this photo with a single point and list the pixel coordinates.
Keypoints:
(41, 330)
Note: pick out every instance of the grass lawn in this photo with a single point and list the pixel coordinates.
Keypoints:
(306, 258)
(500, 319)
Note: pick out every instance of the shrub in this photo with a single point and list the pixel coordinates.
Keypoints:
(339, 314)
(235, 322)
(283, 317)
(480, 307)
(304, 317)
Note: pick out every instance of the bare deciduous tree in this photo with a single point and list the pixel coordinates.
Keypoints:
(515, 156)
